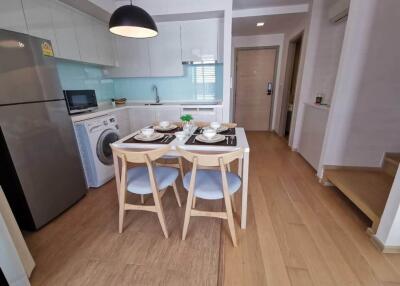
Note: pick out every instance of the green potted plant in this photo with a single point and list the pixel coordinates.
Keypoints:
(186, 122)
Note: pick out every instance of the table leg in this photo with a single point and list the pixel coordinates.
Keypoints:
(117, 175)
(245, 189)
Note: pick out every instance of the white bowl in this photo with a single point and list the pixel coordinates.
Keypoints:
(147, 132)
(164, 124)
(180, 135)
(209, 133)
(215, 125)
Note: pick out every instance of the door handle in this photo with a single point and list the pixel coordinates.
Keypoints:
(269, 88)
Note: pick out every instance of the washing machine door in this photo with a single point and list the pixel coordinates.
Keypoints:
(103, 148)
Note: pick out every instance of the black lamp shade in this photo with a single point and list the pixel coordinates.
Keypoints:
(132, 21)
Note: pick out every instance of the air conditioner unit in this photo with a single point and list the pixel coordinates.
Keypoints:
(339, 11)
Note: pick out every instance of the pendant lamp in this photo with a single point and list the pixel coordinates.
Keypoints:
(132, 21)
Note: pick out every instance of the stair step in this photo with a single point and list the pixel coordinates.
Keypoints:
(367, 189)
(391, 163)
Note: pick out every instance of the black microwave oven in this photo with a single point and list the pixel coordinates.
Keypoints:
(80, 100)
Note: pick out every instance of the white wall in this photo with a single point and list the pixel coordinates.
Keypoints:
(322, 56)
(364, 121)
(289, 36)
(261, 41)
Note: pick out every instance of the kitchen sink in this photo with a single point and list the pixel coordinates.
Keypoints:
(153, 103)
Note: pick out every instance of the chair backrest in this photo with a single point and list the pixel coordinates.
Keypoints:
(211, 159)
(146, 156)
(140, 156)
(205, 124)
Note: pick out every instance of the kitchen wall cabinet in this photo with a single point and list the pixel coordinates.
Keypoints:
(39, 20)
(85, 37)
(132, 58)
(165, 51)
(200, 40)
(12, 16)
(104, 43)
(67, 42)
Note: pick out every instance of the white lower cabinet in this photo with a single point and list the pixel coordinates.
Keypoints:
(169, 113)
(133, 118)
(141, 117)
(124, 122)
(206, 114)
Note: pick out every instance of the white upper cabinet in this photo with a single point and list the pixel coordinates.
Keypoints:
(104, 43)
(85, 37)
(39, 21)
(132, 58)
(12, 16)
(165, 51)
(200, 40)
(107, 5)
(65, 32)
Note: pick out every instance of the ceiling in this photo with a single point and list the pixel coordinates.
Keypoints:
(244, 4)
(273, 24)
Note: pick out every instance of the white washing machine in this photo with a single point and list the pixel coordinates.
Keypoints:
(94, 137)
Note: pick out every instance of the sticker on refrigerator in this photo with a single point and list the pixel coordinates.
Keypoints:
(47, 49)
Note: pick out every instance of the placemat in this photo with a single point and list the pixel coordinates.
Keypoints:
(193, 141)
(162, 140)
(230, 131)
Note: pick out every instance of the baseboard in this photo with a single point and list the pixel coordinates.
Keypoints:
(351, 168)
(384, 249)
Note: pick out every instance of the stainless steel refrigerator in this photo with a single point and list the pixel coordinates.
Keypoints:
(41, 173)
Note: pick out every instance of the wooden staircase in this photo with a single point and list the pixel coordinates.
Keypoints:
(367, 188)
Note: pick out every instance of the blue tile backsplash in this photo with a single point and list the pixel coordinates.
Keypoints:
(199, 83)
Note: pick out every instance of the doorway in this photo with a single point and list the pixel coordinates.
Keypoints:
(255, 78)
(292, 72)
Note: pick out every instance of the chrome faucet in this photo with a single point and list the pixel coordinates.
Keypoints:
(155, 90)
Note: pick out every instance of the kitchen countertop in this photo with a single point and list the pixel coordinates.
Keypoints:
(105, 108)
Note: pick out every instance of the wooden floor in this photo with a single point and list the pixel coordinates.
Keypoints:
(299, 233)
(83, 246)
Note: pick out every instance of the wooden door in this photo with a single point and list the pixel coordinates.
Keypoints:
(255, 68)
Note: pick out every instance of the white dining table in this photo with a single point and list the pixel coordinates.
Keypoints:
(241, 140)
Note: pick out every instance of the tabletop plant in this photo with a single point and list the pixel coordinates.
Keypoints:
(186, 118)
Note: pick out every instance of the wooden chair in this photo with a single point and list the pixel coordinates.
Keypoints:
(211, 184)
(144, 180)
(172, 161)
(202, 124)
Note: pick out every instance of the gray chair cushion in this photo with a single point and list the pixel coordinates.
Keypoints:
(209, 184)
(139, 182)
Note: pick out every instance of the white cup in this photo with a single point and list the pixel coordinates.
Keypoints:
(215, 125)
(164, 124)
(147, 132)
(209, 133)
(180, 135)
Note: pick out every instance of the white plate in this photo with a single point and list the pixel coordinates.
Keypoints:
(155, 136)
(168, 128)
(215, 139)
